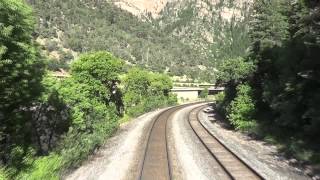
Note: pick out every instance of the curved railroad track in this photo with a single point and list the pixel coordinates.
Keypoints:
(229, 161)
(156, 162)
(156, 159)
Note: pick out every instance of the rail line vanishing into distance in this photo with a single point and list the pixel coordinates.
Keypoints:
(155, 163)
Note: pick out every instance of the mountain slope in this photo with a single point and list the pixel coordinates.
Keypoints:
(178, 37)
(142, 7)
(216, 28)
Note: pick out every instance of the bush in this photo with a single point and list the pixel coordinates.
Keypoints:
(44, 168)
(219, 98)
(80, 112)
(241, 110)
(3, 174)
(204, 94)
(144, 91)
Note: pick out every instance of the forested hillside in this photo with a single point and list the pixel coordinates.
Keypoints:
(188, 37)
(88, 25)
(218, 28)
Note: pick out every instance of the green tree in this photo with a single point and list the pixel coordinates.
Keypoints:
(161, 84)
(204, 93)
(136, 83)
(144, 91)
(21, 70)
(101, 70)
(285, 83)
(242, 109)
(233, 72)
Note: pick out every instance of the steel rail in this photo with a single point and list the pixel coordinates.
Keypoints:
(156, 159)
(225, 157)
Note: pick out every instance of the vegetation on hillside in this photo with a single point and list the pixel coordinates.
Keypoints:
(205, 26)
(187, 39)
(85, 26)
(278, 86)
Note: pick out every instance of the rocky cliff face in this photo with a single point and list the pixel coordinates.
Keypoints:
(155, 7)
(142, 7)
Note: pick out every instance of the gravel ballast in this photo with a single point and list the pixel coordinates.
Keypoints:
(264, 158)
(120, 156)
(190, 159)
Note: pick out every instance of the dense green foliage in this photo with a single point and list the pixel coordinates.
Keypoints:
(92, 108)
(285, 83)
(232, 72)
(241, 109)
(21, 69)
(19, 57)
(144, 91)
(235, 70)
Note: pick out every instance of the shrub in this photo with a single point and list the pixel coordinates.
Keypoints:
(89, 93)
(47, 167)
(235, 69)
(204, 94)
(3, 174)
(144, 91)
(241, 110)
(219, 98)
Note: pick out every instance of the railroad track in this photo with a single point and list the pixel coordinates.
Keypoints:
(156, 159)
(235, 167)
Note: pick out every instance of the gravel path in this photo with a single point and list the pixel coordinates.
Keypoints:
(262, 157)
(119, 157)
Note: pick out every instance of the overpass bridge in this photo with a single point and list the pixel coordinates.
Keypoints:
(192, 93)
